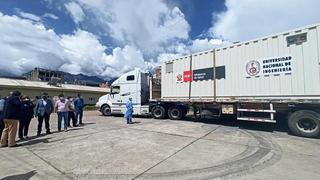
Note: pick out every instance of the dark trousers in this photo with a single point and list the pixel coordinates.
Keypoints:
(24, 127)
(72, 116)
(79, 114)
(46, 118)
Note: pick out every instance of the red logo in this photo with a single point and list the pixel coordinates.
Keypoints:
(187, 76)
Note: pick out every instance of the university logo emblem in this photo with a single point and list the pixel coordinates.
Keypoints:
(253, 68)
(179, 78)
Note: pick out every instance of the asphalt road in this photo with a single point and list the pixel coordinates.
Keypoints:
(107, 148)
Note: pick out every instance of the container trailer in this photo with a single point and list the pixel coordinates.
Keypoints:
(252, 81)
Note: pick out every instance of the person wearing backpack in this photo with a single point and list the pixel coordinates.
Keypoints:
(43, 110)
(79, 104)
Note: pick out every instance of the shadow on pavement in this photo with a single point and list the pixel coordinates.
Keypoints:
(280, 126)
(36, 141)
(20, 176)
(135, 122)
(85, 124)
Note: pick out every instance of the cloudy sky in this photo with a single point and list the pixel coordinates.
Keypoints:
(109, 37)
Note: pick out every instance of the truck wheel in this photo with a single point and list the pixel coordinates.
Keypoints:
(175, 113)
(305, 123)
(158, 112)
(106, 110)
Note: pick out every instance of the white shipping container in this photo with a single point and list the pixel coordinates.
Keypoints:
(281, 66)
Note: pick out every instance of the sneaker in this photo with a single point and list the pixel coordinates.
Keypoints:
(49, 132)
(38, 134)
(59, 130)
(26, 137)
(16, 145)
(3, 145)
(66, 130)
(21, 138)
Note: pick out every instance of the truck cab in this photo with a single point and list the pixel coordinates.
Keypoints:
(134, 84)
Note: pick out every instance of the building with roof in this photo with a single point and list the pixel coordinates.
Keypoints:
(36, 88)
(41, 74)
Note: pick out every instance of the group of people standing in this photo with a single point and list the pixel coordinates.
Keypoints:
(16, 109)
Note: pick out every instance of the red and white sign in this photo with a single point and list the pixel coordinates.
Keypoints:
(187, 76)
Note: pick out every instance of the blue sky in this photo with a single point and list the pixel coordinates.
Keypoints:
(110, 37)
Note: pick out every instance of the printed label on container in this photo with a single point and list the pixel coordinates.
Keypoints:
(203, 74)
(269, 66)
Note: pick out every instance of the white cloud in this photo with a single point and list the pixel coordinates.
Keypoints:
(25, 45)
(26, 15)
(206, 44)
(123, 60)
(197, 45)
(75, 11)
(151, 29)
(251, 19)
(163, 57)
(84, 53)
(49, 15)
(149, 25)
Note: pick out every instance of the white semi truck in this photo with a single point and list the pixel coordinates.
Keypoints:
(252, 80)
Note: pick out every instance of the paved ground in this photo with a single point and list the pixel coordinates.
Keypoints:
(107, 148)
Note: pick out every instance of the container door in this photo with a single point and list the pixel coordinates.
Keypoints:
(202, 83)
(173, 84)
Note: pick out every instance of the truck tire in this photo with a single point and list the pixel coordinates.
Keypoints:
(158, 112)
(106, 110)
(184, 113)
(305, 123)
(175, 113)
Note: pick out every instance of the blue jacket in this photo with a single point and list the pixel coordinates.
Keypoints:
(12, 108)
(78, 104)
(41, 109)
(129, 109)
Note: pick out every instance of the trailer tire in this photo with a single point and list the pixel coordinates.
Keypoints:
(158, 112)
(106, 110)
(305, 123)
(175, 113)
